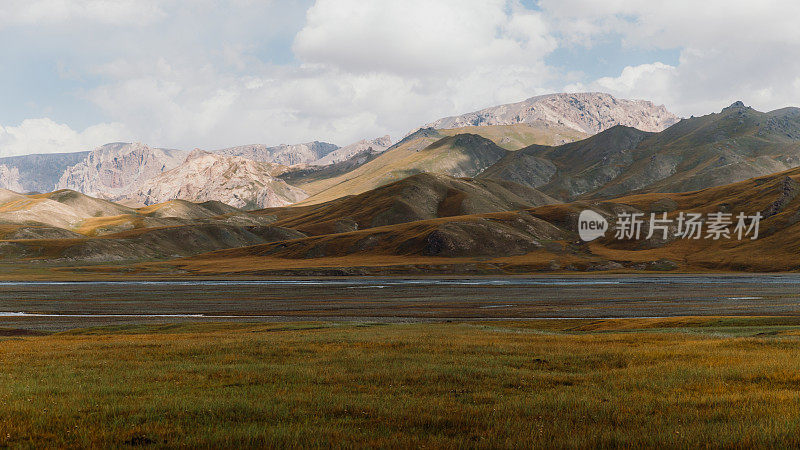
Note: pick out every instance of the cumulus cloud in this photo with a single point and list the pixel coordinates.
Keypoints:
(46, 136)
(228, 72)
(648, 81)
(365, 69)
(729, 50)
(420, 37)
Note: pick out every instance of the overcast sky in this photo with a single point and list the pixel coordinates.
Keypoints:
(75, 74)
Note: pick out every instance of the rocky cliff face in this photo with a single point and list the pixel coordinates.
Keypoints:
(236, 181)
(586, 112)
(9, 178)
(376, 145)
(114, 171)
(288, 155)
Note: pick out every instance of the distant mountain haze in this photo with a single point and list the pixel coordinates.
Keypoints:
(288, 155)
(36, 173)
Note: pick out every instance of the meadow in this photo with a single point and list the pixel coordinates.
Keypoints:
(683, 382)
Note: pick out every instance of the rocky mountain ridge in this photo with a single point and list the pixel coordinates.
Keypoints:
(120, 171)
(233, 180)
(589, 112)
(114, 171)
(376, 145)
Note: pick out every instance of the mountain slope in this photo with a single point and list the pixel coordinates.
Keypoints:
(543, 239)
(735, 144)
(418, 197)
(521, 135)
(232, 180)
(376, 145)
(10, 178)
(571, 169)
(462, 155)
(589, 113)
(113, 171)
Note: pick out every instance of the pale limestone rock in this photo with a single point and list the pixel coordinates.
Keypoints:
(236, 181)
(589, 112)
(114, 171)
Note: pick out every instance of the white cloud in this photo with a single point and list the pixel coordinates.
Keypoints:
(46, 136)
(232, 72)
(366, 69)
(729, 50)
(116, 12)
(419, 37)
(652, 82)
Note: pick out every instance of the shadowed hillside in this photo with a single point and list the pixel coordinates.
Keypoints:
(462, 155)
(426, 223)
(733, 145)
(544, 239)
(418, 197)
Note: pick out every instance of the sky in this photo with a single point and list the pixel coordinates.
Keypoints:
(75, 74)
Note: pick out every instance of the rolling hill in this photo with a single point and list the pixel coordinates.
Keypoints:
(66, 226)
(418, 197)
(425, 223)
(541, 239)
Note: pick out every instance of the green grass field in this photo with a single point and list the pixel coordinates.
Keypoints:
(682, 382)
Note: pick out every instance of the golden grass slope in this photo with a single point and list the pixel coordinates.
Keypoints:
(439, 151)
(418, 197)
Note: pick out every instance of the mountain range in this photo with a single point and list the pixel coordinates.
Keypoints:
(476, 199)
(119, 171)
(732, 145)
(479, 198)
(425, 223)
(548, 142)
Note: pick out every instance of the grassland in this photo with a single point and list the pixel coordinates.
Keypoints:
(682, 382)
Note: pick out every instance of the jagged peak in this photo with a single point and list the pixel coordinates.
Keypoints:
(738, 104)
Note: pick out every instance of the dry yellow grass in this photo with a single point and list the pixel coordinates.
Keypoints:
(695, 383)
(98, 225)
(517, 136)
